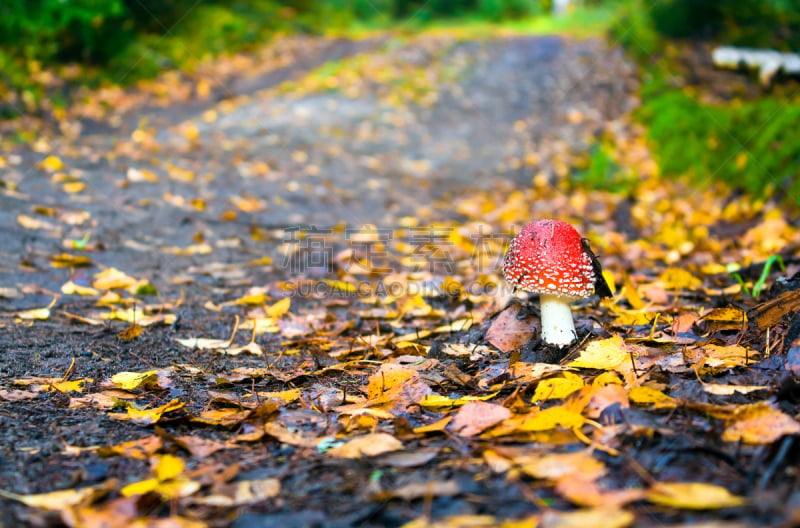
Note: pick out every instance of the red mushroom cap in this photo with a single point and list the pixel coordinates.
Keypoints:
(548, 256)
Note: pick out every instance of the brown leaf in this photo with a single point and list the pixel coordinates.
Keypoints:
(418, 490)
(477, 416)
(770, 313)
(130, 333)
(408, 459)
(367, 445)
(760, 423)
(509, 331)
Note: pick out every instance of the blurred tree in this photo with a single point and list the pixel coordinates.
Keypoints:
(765, 23)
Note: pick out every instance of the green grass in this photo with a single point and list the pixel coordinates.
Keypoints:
(752, 146)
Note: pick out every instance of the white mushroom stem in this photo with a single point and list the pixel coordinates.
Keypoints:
(558, 327)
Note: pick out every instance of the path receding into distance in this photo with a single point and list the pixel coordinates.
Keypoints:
(316, 157)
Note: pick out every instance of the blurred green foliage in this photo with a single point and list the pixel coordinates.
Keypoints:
(749, 144)
(602, 172)
(120, 41)
(763, 23)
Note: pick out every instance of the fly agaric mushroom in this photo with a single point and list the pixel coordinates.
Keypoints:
(549, 257)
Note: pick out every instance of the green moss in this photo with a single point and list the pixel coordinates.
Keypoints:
(602, 172)
(751, 145)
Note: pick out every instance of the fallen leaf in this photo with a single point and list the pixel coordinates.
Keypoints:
(692, 496)
(557, 387)
(418, 490)
(606, 354)
(477, 416)
(644, 394)
(560, 465)
(368, 445)
(587, 492)
(509, 331)
(241, 493)
(679, 279)
(151, 379)
(607, 517)
(141, 449)
(147, 416)
(60, 500)
(759, 423)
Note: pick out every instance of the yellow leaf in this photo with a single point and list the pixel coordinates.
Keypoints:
(130, 333)
(73, 187)
(262, 325)
(607, 378)
(414, 306)
(367, 445)
(70, 288)
(279, 308)
(29, 222)
(728, 356)
(600, 516)
(604, 354)
(141, 175)
(679, 279)
(112, 278)
(173, 489)
(51, 164)
(692, 496)
(139, 488)
(467, 521)
(551, 418)
(587, 492)
(287, 396)
(40, 314)
(557, 388)
(634, 317)
(254, 299)
(644, 394)
(759, 423)
(132, 315)
(726, 314)
(152, 379)
(458, 325)
(140, 449)
(68, 386)
(65, 260)
(560, 465)
(388, 376)
(190, 131)
(133, 380)
(437, 401)
(148, 416)
(194, 249)
(56, 500)
(168, 467)
(180, 174)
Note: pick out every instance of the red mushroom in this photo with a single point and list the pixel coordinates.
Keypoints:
(549, 257)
